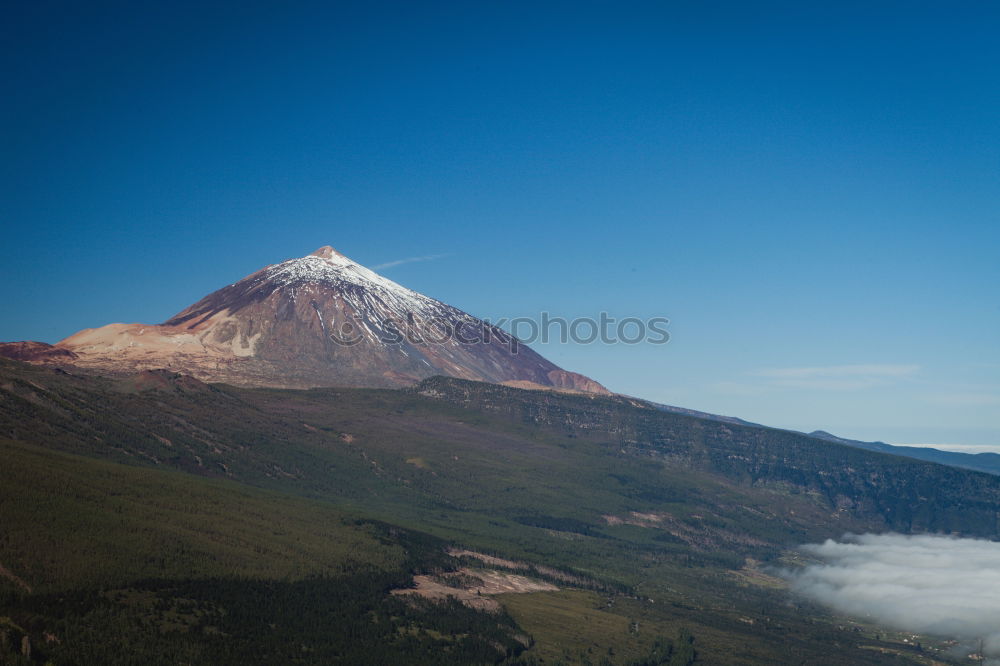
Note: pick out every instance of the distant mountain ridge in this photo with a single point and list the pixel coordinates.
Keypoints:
(701, 415)
(318, 320)
(980, 462)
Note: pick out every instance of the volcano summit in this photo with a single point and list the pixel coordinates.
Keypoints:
(320, 320)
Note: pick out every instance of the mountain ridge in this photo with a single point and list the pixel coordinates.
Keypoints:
(670, 513)
(981, 462)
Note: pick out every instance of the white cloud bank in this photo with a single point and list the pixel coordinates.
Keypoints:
(937, 585)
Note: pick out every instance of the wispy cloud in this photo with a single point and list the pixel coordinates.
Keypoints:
(837, 377)
(929, 584)
(826, 371)
(410, 260)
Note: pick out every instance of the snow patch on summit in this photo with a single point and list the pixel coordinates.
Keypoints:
(337, 271)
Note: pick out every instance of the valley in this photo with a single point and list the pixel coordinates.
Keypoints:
(648, 523)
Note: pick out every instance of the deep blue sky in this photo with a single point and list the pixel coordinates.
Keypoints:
(810, 194)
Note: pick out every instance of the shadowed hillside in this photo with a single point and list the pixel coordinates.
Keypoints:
(617, 501)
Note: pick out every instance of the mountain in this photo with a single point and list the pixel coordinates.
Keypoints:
(36, 352)
(320, 320)
(981, 462)
(204, 519)
(697, 414)
(157, 502)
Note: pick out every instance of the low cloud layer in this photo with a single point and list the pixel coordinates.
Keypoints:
(936, 585)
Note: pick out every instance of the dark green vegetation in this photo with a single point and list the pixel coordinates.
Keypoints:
(234, 506)
(241, 575)
(349, 619)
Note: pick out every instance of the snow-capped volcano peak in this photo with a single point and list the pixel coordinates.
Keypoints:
(364, 287)
(320, 320)
(327, 252)
(326, 257)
